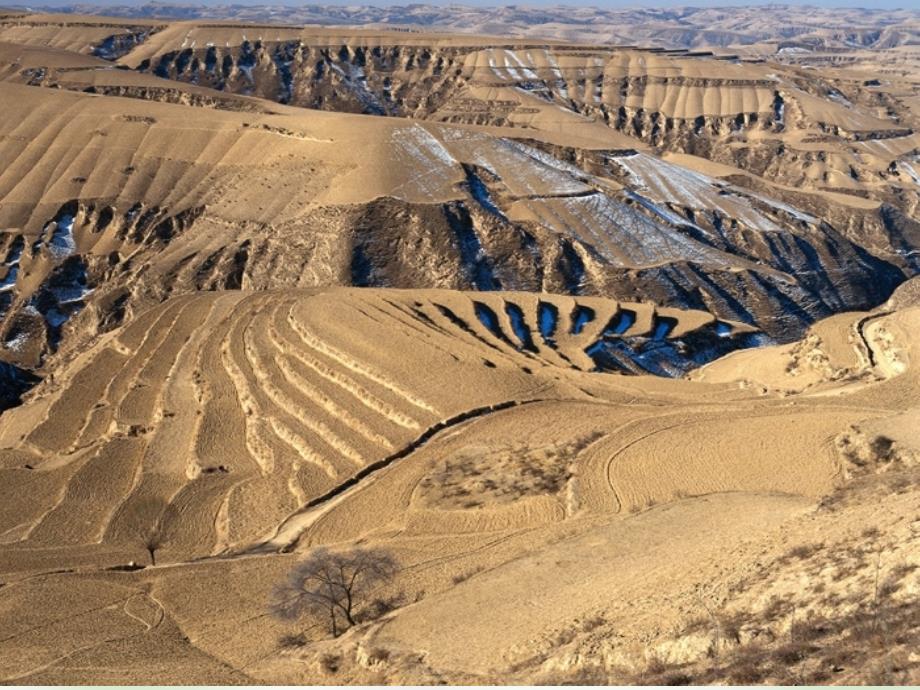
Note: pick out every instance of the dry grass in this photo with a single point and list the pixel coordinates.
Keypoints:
(835, 611)
(898, 480)
(481, 476)
(871, 645)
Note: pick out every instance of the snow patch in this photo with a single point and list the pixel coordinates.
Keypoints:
(519, 326)
(911, 172)
(662, 328)
(510, 55)
(62, 243)
(620, 234)
(723, 330)
(416, 149)
(625, 319)
(488, 318)
(9, 282)
(16, 344)
(839, 98)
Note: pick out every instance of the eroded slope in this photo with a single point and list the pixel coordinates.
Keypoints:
(109, 205)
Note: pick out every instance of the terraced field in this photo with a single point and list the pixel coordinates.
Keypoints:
(230, 412)
(241, 426)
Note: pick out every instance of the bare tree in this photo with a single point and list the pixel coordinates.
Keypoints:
(146, 523)
(332, 586)
(153, 540)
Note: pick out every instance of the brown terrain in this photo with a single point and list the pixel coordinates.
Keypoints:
(611, 349)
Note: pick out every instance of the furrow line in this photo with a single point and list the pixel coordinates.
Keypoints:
(354, 365)
(283, 401)
(364, 396)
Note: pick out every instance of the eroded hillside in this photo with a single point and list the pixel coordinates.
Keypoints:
(735, 187)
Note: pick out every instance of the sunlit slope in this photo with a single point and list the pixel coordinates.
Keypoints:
(648, 572)
(73, 34)
(218, 415)
(821, 130)
(738, 109)
(524, 485)
(535, 169)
